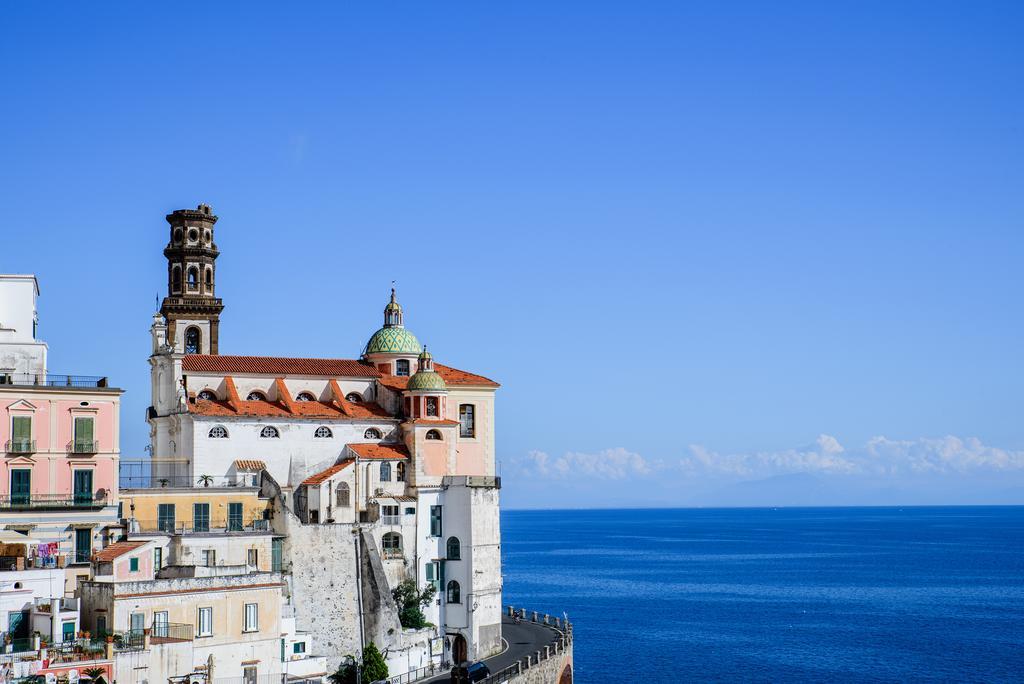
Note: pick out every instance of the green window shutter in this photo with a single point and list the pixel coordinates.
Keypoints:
(21, 428)
(83, 431)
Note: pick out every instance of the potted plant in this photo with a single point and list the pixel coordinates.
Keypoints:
(164, 481)
(206, 480)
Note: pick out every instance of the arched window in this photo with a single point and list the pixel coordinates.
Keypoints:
(454, 549)
(400, 472)
(192, 340)
(391, 543)
(341, 495)
(454, 592)
(269, 432)
(218, 432)
(372, 433)
(305, 396)
(354, 397)
(256, 395)
(385, 472)
(177, 234)
(207, 395)
(402, 367)
(433, 434)
(193, 278)
(209, 277)
(176, 279)
(323, 432)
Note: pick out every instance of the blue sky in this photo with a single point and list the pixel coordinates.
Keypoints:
(715, 252)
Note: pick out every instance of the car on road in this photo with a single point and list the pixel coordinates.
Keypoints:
(464, 674)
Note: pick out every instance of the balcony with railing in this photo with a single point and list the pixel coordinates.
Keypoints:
(13, 502)
(392, 553)
(20, 446)
(221, 526)
(83, 446)
(53, 380)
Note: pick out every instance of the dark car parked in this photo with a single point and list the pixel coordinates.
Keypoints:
(465, 674)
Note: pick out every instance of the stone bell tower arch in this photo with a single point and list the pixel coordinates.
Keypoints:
(191, 307)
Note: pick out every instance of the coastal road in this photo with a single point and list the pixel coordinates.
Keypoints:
(524, 638)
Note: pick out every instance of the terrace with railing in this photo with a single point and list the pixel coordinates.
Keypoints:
(97, 499)
(215, 526)
(53, 380)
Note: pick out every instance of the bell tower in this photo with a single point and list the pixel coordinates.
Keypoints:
(191, 309)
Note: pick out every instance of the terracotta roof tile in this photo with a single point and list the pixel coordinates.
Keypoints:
(116, 550)
(451, 376)
(325, 475)
(434, 421)
(379, 451)
(272, 365)
(247, 464)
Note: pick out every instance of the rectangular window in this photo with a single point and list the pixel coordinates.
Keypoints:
(249, 675)
(21, 435)
(432, 406)
(84, 443)
(253, 557)
(434, 575)
(101, 625)
(165, 517)
(160, 624)
(137, 622)
(467, 420)
(158, 558)
(83, 486)
(201, 517)
(209, 558)
(276, 554)
(435, 521)
(68, 631)
(299, 647)
(21, 486)
(204, 625)
(83, 545)
(234, 517)
(133, 564)
(410, 510)
(251, 618)
(402, 367)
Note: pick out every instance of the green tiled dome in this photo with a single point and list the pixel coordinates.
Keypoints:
(393, 340)
(427, 380)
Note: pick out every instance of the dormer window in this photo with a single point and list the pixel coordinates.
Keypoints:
(256, 395)
(354, 397)
(207, 395)
(269, 432)
(305, 396)
(402, 367)
(372, 433)
(433, 435)
(323, 432)
(218, 432)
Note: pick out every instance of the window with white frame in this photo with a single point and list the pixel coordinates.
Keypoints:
(305, 396)
(204, 623)
(256, 395)
(402, 367)
(252, 623)
(467, 420)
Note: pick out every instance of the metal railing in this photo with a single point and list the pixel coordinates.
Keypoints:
(53, 380)
(390, 554)
(24, 501)
(76, 650)
(136, 480)
(83, 446)
(419, 673)
(216, 526)
(164, 632)
(129, 640)
(391, 520)
(20, 446)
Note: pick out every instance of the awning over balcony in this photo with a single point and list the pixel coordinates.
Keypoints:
(12, 537)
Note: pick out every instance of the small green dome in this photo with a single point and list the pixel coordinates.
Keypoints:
(427, 380)
(393, 340)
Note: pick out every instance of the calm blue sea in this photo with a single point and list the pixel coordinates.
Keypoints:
(828, 594)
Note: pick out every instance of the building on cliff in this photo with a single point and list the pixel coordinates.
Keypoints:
(356, 473)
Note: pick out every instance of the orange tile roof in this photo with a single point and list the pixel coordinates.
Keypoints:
(434, 421)
(380, 451)
(337, 409)
(271, 365)
(246, 464)
(325, 475)
(452, 376)
(117, 549)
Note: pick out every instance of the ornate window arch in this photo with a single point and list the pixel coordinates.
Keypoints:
(323, 432)
(269, 432)
(354, 397)
(454, 549)
(433, 435)
(372, 433)
(454, 594)
(207, 395)
(176, 278)
(256, 395)
(385, 472)
(193, 277)
(218, 432)
(305, 396)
